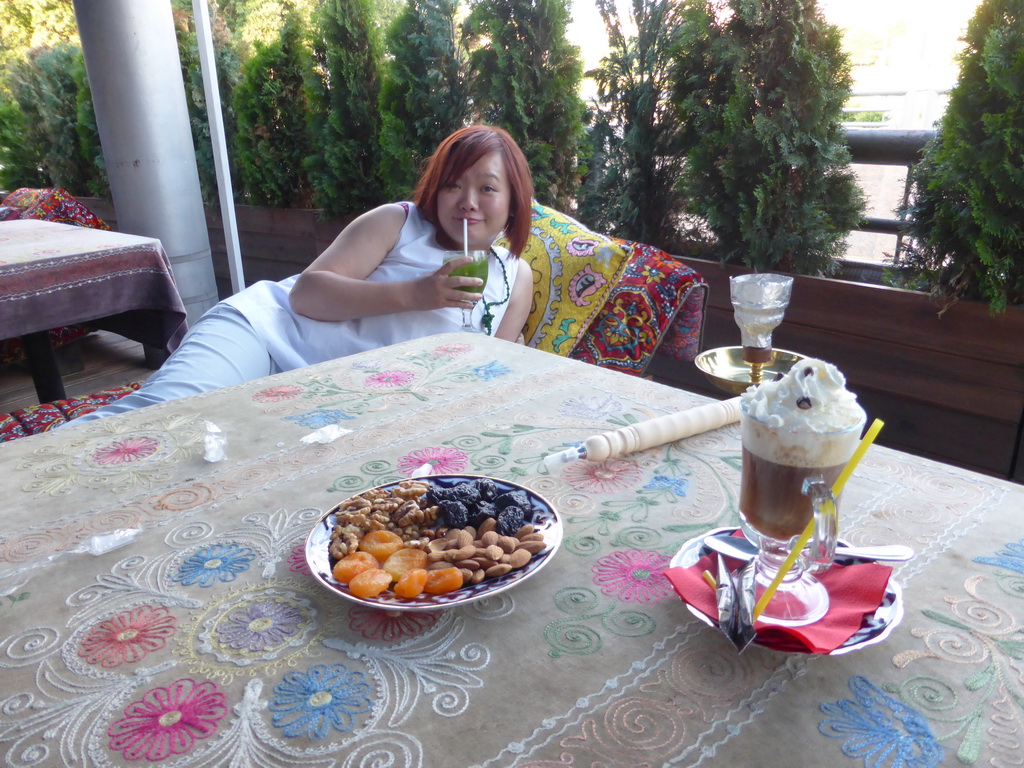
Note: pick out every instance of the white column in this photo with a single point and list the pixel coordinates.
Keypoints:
(131, 56)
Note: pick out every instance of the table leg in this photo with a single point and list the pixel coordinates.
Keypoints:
(42, 362)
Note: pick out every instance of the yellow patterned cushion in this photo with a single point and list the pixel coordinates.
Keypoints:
(574, 269)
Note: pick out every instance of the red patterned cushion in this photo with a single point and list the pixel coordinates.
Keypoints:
(46, 416)
(74, 407)
(10, 428)
(53, 205)
(656, 298)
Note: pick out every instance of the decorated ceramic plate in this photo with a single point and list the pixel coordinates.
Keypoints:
(875, 628)
(541, 515)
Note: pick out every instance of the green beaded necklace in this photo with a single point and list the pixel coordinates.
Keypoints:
(488, 318)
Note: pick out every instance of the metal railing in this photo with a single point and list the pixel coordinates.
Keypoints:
(887, 146)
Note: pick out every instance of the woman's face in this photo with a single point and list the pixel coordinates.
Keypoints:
(480, 197)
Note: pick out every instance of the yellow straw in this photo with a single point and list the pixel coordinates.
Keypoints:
(837, 487)
(710, 579)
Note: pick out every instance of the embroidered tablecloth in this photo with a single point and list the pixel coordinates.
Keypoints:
(204, 641)
(55, 274)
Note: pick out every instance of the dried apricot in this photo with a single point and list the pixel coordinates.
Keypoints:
(381, 544)
(370, 582)
(411, 584)
(405, 560)
(353, 564)
(443, 580)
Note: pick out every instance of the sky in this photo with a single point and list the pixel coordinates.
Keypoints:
(914, 40)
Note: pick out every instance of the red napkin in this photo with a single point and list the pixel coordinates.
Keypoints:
(855, 591)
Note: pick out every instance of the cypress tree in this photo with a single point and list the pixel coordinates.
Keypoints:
(44, 87)
(966, 218)
(424, 93)
(631, 187)
(344, 93)
(760, 86)
(526, 79)
(270, 103)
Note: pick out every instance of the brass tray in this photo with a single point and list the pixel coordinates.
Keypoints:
(726, 368)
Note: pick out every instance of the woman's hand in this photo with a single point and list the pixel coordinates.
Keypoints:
(441, 289)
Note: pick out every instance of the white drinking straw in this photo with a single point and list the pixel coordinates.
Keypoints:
(465, 236)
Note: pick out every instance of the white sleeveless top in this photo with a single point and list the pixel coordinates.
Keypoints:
(295, 341)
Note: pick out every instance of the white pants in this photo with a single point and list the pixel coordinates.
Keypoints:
(221, 349)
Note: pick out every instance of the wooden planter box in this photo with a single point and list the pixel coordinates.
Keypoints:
(949, 388)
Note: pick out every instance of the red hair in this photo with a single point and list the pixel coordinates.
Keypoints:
(461, 150)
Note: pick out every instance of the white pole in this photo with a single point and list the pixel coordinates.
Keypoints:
(201, 11)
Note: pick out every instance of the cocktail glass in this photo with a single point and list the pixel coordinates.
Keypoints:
(785, 482)
(476, 268)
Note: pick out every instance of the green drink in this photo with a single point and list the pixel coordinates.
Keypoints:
(476, 268)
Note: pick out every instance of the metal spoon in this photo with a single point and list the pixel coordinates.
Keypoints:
(744, 549)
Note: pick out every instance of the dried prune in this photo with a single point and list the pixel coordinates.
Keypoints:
(467, 493)
(512, 498)
(510, 520)
(455, 513)
(488, 490)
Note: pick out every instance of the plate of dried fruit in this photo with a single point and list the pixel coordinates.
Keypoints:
(433, 542)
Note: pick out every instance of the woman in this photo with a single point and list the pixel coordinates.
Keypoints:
(381, 281)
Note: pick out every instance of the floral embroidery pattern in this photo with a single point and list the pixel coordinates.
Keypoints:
(591, 407)
(128, 637)
(880, 729)
(261, 625)
(297, 559)
(319, 418)
(443, 461)
(452, 350)
(125, 451)
(678, 485)
(389, 379)
(611, 476)
(219, 562)
(633, 576)
(382, 625)
(168, 721)
(322, 699)
(1011, 558)
(491, 370)
(277, 394)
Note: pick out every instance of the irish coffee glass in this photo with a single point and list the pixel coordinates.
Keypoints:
(785, 482)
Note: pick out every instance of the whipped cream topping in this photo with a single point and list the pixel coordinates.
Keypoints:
(812, 396)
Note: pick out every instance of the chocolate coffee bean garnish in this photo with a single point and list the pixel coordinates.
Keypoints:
(808, 371)
(804, 403)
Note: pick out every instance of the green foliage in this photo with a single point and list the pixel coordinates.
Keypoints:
(228, 71)
(345, 121)
(28, 24)
(631, 188)
(526, 79)
(44, 87)
(966, 218)
(97, 184)
(760, 85)
(424, 92)
(20, 158)
(272, 141)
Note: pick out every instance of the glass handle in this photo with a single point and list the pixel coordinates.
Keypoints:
(822, 550)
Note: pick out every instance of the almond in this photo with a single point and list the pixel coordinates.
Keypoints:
(519, 558)
(498, 570)
(533, 547)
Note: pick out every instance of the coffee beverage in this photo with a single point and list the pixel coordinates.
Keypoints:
(771, 499)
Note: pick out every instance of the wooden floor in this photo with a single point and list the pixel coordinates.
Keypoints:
(106, 360)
